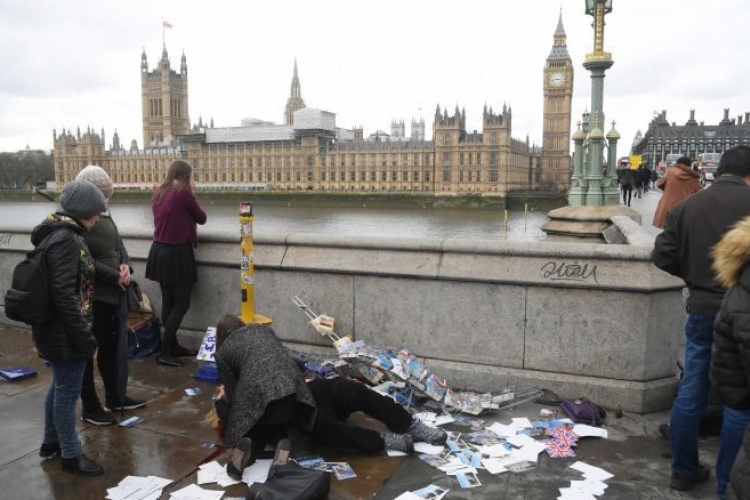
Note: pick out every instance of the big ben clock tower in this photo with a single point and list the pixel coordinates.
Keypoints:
(558, 93)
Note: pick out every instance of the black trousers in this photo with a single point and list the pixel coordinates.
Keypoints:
(336, 399)
(106, 331)
(175, 302)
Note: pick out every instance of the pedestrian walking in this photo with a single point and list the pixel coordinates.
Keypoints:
(626, 184)
(730, 360)
(679, 182)
(683, 249)
(109, 312)
(66, 340)
(171, 259)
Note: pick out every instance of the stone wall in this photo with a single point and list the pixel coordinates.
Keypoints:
(581, 319)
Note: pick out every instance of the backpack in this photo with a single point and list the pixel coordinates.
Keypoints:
(28, 299)
(144, 339)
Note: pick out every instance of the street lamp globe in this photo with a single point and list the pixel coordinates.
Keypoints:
(591, 6)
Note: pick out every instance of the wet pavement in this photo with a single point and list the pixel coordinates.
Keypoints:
(173, 440)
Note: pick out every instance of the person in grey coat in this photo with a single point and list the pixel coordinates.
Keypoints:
(264, 393)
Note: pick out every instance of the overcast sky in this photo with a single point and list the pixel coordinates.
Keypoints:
(74, 63)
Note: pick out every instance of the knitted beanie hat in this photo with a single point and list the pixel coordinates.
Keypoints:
(82, 200)
(97, 176)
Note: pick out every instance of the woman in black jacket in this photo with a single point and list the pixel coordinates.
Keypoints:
(65, 340)
(730, 360)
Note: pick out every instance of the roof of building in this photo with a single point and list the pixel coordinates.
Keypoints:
(256, 133)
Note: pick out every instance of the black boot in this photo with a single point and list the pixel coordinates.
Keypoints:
(82, 466)
(168, 360)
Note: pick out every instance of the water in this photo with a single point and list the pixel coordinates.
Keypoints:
(488, 225)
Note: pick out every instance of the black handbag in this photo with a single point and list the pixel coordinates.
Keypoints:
(292, 482)
(134, 296)
(583, 411)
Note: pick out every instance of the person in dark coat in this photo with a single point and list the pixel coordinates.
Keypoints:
(679, 182)
(171, 259)
(683, 249)
(626, 184)
(730, 361)
(264, 393)
(110, 312)
(65, 340)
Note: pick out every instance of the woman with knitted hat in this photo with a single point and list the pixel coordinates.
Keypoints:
(65, 339)
(110, 312)
(171, 260)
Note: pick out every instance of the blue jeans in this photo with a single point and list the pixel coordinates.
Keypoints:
(691, 405)
(732, 431)
(60, 407)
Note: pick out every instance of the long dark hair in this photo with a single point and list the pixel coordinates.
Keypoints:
(226, 325)
(178, 176)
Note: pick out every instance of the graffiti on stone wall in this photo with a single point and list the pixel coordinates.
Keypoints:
(5, 240)
(562, 271)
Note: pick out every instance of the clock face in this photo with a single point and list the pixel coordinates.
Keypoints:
(556, 79)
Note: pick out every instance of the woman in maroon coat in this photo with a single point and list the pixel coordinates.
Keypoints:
(171, 260)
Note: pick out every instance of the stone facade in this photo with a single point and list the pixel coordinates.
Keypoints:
(590, 320)
(298, 155)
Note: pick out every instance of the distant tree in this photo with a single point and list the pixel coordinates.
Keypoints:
(25, 169)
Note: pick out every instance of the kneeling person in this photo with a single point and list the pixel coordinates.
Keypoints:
(264, 392)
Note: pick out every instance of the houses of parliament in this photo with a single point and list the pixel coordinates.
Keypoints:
(308, 151)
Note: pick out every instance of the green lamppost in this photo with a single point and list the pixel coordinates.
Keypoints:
(597, 184)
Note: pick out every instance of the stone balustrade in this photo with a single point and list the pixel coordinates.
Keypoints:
(578, 318)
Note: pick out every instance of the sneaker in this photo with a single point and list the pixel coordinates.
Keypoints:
(98, 417)
(420, 431)
(682, 482)
(398, 442)
(242, 457)
(127, 404)
(49, 451)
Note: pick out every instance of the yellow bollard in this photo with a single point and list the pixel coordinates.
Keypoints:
(247, 269)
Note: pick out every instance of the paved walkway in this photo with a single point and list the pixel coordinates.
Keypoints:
(173, 439)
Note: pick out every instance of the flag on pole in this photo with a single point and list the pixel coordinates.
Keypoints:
(165, 24)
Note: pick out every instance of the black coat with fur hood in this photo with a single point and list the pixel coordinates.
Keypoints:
(730, 360)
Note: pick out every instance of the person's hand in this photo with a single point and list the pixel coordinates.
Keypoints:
(220, 394)
(125, 273)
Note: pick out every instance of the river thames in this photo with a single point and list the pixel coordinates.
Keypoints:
(487, 225)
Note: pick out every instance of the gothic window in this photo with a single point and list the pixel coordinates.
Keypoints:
(493, 175)
(415, 176)
(446, 158)
(446, 175)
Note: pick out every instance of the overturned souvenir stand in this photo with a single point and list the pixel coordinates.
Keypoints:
(581, 319)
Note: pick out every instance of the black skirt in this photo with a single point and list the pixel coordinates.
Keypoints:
(171, 264)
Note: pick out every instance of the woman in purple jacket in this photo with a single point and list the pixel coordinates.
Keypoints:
(171, 260)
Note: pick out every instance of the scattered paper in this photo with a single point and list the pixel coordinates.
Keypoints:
(591, 472)
(430, 449)
(195, 492)
(257, 472)
(590, 431)
(138, 488)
